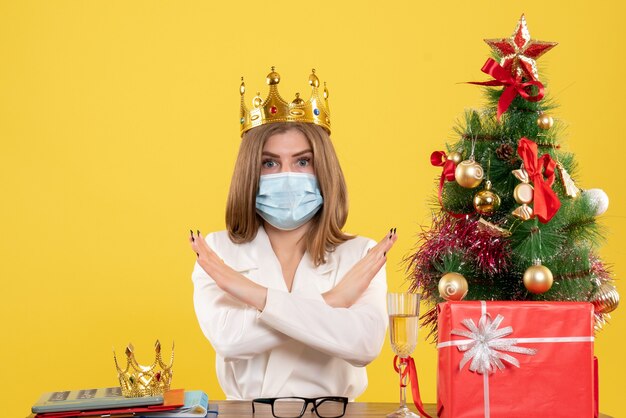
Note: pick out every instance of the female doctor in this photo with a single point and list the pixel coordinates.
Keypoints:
(292, 305)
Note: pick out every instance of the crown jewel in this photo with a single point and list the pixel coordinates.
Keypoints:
(275, 109)
(137, 380)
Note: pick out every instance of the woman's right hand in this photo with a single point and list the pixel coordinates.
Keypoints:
(227, 279)
(358, 278)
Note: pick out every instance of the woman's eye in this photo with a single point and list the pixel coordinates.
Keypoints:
(269, 164)
(303, 162)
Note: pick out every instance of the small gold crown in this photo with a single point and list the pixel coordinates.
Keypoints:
(275, 109)
(137, 380)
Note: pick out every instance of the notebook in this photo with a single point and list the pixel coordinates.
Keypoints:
(171, 400)
(88, 399)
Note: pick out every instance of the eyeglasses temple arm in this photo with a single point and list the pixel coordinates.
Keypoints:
(268, 401)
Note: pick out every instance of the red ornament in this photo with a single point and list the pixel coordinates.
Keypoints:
(273, 110)
(519, 52)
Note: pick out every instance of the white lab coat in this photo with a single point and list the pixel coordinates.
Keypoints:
(298, 345)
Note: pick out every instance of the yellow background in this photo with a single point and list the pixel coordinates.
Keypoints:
(119, 130)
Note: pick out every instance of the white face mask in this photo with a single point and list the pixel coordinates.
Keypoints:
(288, 200)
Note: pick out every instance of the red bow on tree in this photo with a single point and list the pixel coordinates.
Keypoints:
(440, 159)
(513, 85)
(541, 172)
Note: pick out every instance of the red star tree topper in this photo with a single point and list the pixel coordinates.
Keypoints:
(519, 52)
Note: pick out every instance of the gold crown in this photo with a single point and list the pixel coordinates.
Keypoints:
(137, 380)
(275, 109)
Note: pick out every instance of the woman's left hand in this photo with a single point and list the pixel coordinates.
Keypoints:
(358, 278)
(207, 258)
(227, 279)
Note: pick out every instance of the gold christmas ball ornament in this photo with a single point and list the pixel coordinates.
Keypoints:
(452, 286)
(605, 299)
(469, 174)
(545, 121)
(538, 279)
(486, 202)
(455, 157)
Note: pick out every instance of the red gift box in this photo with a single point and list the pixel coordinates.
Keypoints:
(519, 359)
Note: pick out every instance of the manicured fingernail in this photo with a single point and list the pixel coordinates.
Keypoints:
(192, 239)
(394, 230)
(198, 254)
(385, 254)
(198, 232)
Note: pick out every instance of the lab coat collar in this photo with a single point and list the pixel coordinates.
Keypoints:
(260, 251)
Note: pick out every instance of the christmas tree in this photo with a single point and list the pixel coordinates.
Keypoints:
(510, 222)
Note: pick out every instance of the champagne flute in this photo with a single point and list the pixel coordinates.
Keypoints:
(403, 310)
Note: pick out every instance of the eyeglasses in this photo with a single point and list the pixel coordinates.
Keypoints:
(295, 407)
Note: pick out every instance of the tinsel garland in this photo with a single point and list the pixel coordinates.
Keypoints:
(599, 270)
(488, 251)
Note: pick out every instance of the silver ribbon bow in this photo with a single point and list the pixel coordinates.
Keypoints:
(486, 349)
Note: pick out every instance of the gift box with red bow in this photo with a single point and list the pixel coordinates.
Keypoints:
(515, 359)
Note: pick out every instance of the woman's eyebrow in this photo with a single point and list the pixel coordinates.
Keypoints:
(269, 154)
(306, 151)
(297, 154)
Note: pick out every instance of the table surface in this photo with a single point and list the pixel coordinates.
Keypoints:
(239, 409)
(232, 409)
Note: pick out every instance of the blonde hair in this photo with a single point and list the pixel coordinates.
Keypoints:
(325, 232)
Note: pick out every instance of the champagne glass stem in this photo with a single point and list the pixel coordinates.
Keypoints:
(402, 384)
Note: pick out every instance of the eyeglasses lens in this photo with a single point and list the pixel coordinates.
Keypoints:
(328, 408)
(288, 408)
